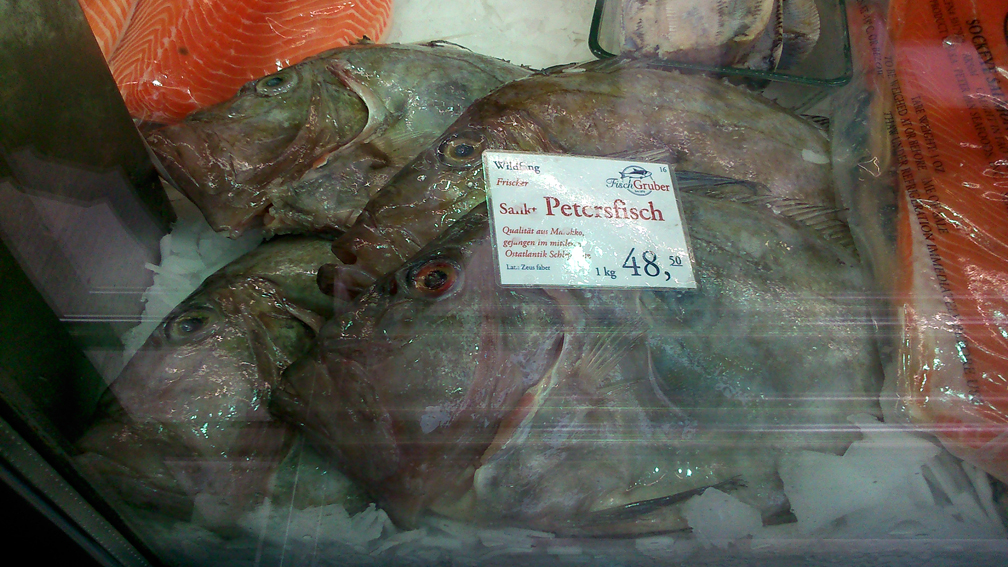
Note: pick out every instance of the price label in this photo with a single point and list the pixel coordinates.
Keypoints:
(574, 221)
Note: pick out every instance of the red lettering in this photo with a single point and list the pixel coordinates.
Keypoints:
(550, 203)
(655, 213)
(618, 210)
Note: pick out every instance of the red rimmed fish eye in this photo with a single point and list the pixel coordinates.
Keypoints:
(434, 278)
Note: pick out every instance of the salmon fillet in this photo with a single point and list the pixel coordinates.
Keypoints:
(948, 77)
(175, 56)
(107, 19)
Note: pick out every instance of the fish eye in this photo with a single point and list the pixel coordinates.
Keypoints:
(462, 150)
(190, 325)
(434, 278)
(276, 84)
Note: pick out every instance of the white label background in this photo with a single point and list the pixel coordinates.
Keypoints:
(571, 249)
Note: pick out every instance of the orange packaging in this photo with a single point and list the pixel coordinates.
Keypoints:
(171, 57)
(947, 74)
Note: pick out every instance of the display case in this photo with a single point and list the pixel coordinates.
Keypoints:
(396, 282)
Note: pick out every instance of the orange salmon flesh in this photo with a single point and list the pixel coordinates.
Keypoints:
(171, 57)
(947, 75)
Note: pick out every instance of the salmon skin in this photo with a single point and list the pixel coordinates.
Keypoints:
(170, 57)
(947, 82)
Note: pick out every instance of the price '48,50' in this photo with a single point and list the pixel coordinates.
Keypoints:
(650, 267)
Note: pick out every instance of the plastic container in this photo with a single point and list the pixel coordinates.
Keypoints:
(827, 67)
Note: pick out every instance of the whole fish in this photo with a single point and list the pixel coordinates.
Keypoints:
(302, 150)
(620, 109)
(592, 411)
(184, 429)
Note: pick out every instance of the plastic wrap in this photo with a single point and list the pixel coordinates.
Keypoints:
(793, 51)
(763, 35)
(170, 57)
(939, 79)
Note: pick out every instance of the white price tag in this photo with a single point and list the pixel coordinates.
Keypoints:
(572, 221)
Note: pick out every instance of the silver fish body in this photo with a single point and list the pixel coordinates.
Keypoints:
(589, 411)
(622, 109)
(303, 149)
(184, 429)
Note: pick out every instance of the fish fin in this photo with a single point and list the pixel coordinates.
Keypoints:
(640, 508)
(820, 121)
(602, 353)
(398, 141)
(698, 181)
(445, 43)
(563, 67)
(827, 222)
(624, 62)
(607, 65)
(653, 155)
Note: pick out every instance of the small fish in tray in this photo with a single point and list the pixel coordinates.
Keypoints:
(593, 412)
(303, 149)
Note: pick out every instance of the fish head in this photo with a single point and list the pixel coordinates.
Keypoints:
(225, 157)
(443, 183)
(185, 426)
(407, 390)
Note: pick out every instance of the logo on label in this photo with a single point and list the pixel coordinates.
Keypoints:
(637, 181)
(634, 172)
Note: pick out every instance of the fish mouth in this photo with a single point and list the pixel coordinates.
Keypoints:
(118, 456)
(203, 168)
(332, 400)
(181, 151)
